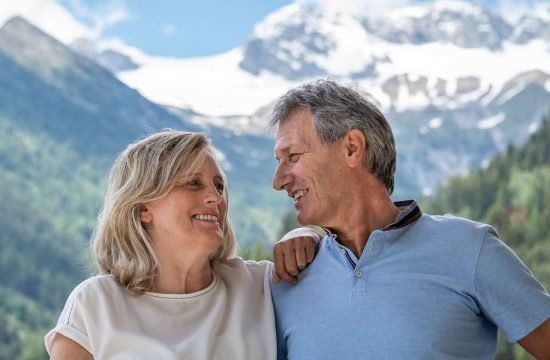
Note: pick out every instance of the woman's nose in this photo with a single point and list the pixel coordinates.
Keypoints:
(213, 195)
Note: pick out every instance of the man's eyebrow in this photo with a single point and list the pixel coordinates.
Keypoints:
(281, 150)
(283, 147)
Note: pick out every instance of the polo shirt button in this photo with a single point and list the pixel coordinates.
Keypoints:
(343, 251)
(358, 273)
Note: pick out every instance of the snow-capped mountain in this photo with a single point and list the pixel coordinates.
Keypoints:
(443, 69)
(450, 75)
(462, 50)
(465, 25)
(298, 43)
(532, 27)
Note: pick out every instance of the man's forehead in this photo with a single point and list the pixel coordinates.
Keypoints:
(283, 143)
(295, 129)
(295, 125)
(291, 140)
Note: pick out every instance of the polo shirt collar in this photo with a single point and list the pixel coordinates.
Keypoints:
(410, 212)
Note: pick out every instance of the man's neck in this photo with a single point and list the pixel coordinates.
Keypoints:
(373, 215)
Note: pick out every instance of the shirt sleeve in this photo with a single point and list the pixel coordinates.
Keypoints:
(507, 291)
(71, 322)
(281, 340)
(281, 346)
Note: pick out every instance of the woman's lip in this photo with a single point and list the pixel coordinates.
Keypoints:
(211, 213)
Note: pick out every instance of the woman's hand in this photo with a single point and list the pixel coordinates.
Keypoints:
(293, 253)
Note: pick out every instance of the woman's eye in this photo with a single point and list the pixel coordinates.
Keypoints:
(193, 182)
(220, 188)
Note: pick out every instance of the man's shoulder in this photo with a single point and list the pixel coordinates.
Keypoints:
(310, 280)
(446, 237)
(451, 219)
(454, 225)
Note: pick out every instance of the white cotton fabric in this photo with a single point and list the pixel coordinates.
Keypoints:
(230, 319)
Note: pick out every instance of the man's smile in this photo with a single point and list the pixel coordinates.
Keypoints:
(296, 195)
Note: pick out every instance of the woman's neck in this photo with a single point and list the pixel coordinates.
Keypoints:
(182, 275)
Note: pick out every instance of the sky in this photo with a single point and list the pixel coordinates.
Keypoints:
(179, 28)
(184, 28)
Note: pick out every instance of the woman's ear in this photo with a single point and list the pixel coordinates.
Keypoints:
(354, 144)
(145, 215)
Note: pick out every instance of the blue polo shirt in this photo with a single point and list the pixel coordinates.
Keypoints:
(427, 287)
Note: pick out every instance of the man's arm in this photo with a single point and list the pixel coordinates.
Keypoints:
(537, 343)
(293, 253)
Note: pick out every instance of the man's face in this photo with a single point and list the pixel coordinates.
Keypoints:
(307, 170)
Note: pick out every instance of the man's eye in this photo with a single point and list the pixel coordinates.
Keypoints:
(294, 157)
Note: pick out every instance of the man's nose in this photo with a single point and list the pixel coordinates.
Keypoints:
(280, 178)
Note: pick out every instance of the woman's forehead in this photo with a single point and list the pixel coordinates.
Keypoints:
(205, 163)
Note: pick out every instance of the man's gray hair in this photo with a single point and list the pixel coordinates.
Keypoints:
(336, 110)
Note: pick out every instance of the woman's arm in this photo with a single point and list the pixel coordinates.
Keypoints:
(64, 348)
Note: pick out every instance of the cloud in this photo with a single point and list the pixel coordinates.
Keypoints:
(362, 7)
(68, 20)
(101, 15)
(49, 16)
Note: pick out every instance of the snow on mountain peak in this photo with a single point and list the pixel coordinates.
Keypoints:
(532, 26)
(274, 24)
(299, 42)
(461, 23)
(463, 7)
(64, 28)
(408, 12)
(419, 11)
(446, 54)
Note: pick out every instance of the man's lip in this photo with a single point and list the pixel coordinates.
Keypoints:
(291, 194)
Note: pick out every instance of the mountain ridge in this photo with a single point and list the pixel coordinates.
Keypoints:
(296, 44)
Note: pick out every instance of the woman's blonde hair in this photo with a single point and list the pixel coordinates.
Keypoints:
(145, 171)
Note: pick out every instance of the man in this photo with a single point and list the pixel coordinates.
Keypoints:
(388, 282)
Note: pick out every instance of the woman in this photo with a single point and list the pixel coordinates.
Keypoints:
(170, 287)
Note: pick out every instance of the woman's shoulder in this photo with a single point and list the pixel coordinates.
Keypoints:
(239, 266)
(95, 286)
(90, 296)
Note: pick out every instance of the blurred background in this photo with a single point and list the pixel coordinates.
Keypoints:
(464, 84)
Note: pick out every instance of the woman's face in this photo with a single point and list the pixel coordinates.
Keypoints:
(191, 217)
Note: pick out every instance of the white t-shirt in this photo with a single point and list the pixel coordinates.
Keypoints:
(230, 319)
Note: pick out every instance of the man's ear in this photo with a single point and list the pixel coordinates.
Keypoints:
(354, 143)
(145, 214)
